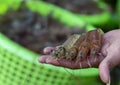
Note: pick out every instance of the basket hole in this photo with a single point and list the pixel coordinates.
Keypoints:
(47, 75)
(28, 80)
(9, 65)
(3, 60)
(17, 63)
(23, 72)
(16, 68)
(59, 83)
(55, 77)
(1, 66)
(14, 74)
(7, 70)
(10, 59)
(40, 73)
(45, 80)
(52, 82)
(62, 77)
(24, 66)
(12, 79)
(38, 78)
(32, 70)
(30, 75)
(21, 77)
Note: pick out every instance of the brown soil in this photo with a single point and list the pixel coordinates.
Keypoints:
(33, 31)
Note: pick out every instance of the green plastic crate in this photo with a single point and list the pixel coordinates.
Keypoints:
(95, 19)
(5, 4)
(20, 66)
(98, 19)
(118, 11)
(58, 14)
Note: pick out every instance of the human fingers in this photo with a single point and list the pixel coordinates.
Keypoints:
(86, 63)
(42, 59)
(104, 71)
(104, 47)
(112, 59)
(47, 50)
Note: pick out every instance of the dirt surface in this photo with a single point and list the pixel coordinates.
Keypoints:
(34, 31)
(78, 6)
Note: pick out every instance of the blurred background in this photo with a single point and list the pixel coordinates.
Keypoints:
(28, 26)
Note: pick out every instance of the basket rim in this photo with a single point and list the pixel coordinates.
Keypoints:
(30, 56)
(64, 16)
(94, 19)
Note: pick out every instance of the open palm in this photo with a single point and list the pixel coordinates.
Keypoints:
(107, 59)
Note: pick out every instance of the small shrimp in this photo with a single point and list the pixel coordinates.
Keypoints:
(84, 47)
(72, 53)
(95, 41)
(58, 52)
(62, 49)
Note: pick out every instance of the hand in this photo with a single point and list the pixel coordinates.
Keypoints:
(88, 62)
(110, 49)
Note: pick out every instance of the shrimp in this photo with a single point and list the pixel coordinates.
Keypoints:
(61, 50)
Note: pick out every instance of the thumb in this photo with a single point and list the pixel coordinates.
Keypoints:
(104, 71)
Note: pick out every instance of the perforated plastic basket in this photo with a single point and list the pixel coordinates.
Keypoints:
(59, 14)
(20, 66)
(98, 19)
(95, 19)
(118, 11)
(6, 4)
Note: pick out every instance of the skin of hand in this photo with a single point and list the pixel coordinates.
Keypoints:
(108, 58)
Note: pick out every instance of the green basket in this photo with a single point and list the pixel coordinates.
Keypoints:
(20, 66)
(58, 14)
(71, 19)
(95, 19)
(5, 4)
(98, 19)
(118, 11)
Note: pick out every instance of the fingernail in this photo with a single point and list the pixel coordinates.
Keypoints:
(47, 50)
(104, 72)
(109, 82)
(41, 60)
